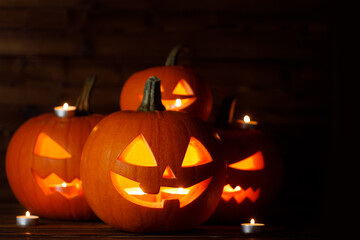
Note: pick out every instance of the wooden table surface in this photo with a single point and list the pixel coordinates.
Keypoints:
(49, 229)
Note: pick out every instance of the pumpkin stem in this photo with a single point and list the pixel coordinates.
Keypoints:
(152, 96)
(82, 103)
(225, 115)
(173, 55)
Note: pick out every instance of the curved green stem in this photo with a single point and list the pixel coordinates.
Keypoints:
(82, 103)
(152, 96)
(173, 55)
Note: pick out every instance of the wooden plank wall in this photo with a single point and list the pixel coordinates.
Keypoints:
(274, 56)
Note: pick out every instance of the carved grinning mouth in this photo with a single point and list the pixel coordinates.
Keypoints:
(175, 104)
(181, 197)
(239, 194)
(53, 183)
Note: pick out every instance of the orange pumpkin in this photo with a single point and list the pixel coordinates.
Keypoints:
(182, 89)
(254, 170)
(43, 162)
(152, 170)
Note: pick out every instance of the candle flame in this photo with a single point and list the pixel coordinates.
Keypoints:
(64, 184)
(252, 221)
(178, 102)
(65, 106)
(27, 214)
(246, 119)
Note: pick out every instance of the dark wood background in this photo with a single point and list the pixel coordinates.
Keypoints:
(279, 58)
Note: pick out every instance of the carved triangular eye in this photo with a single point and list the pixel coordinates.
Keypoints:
(252, 163)
(183, 88)
(138, 153)
(196, 154)
(47, 147)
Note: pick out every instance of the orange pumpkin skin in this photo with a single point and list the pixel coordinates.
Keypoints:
(199, 101)
(43, 161)
(23, 165)
(168, 135)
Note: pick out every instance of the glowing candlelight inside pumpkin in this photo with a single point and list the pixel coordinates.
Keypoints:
(135, 191)
(27, 219)
(179, 191)
(140, 194)
(228, 188)
(178, 102)
(65, 110)
(164, 194)
(174, 193)
(246, 122)
(68, 190)
(252, 227)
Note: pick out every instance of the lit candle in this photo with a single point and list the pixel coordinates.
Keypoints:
(178, 102)
(247, 123)
(65, 110)
(27, 220)
(252, 227)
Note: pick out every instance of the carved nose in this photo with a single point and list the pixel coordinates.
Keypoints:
(168, 173)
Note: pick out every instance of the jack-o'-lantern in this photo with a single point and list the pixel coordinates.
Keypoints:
(182, 89)
(152, 170)
(254, 170)
(43, 161)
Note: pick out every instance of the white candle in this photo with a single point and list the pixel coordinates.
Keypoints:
(65, 110)
(27, 220)
(246, 123)
(252, 227)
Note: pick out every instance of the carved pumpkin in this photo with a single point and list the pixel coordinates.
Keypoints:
(181, 88)
(152, 170)
(254, 170)
(43, 162)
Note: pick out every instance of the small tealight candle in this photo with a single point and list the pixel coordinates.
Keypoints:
(252, 227)
(27, 220)
(65, 110)
(247, 123)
